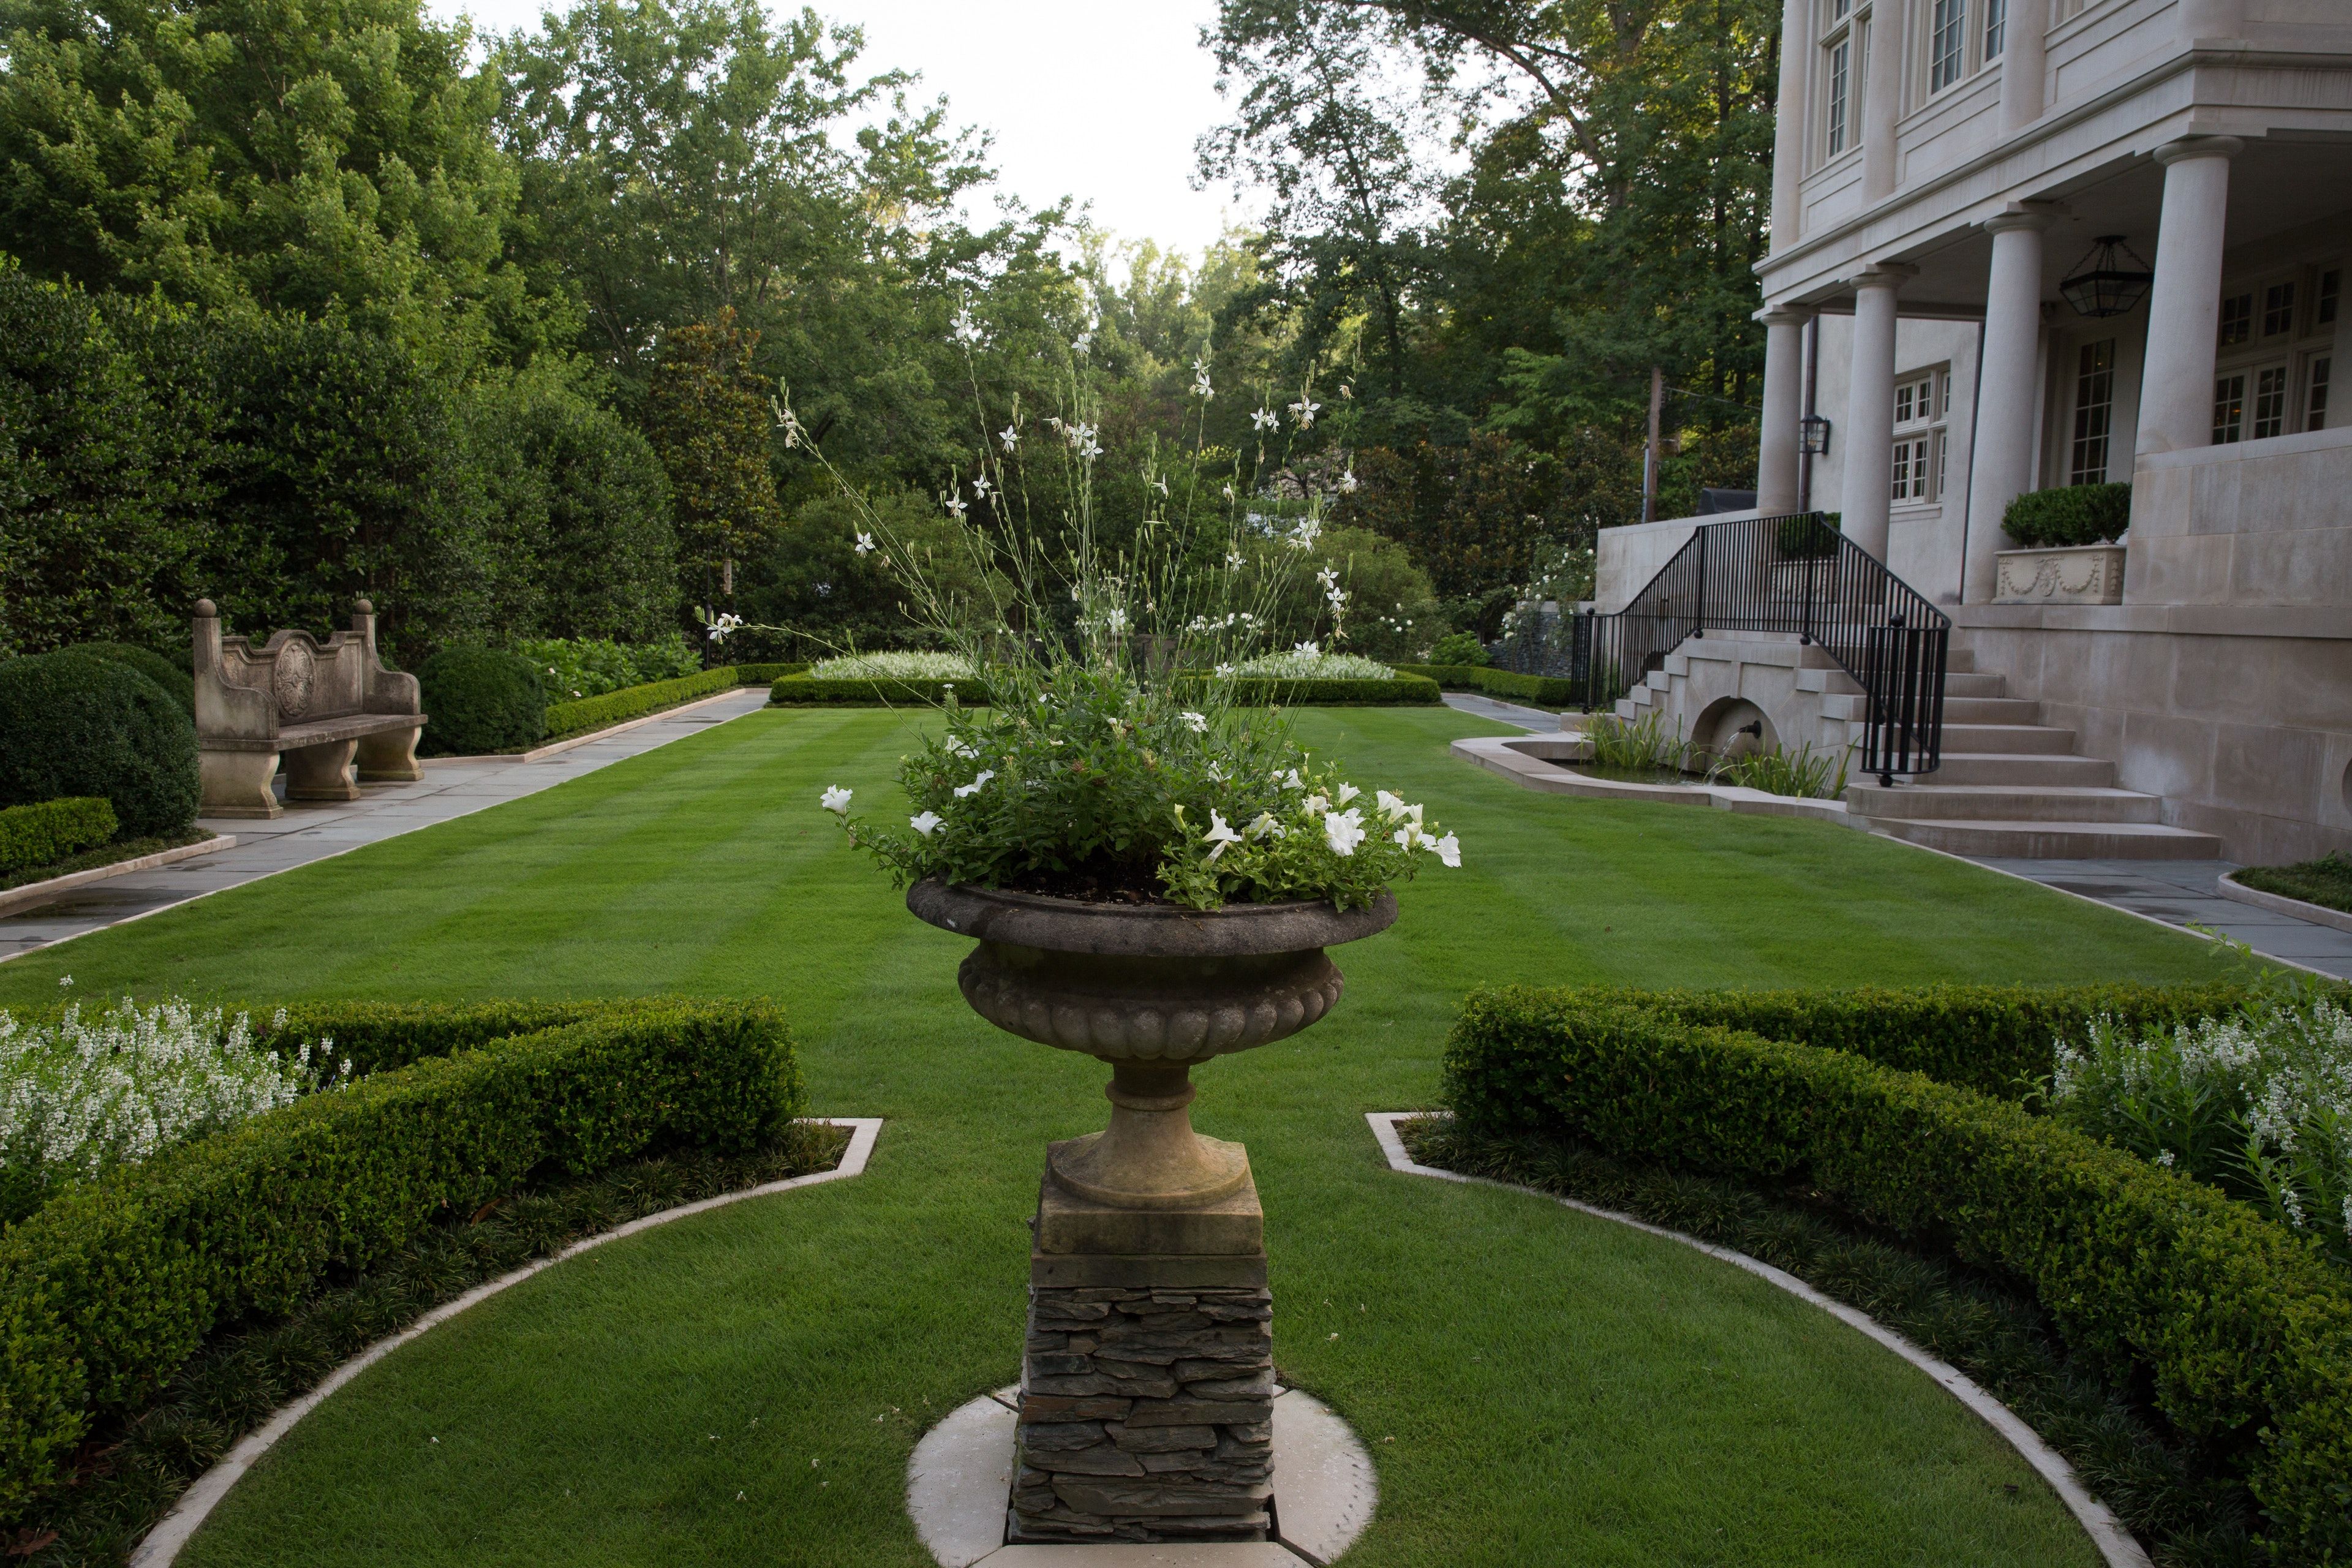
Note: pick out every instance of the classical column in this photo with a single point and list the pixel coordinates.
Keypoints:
(1784, 398)
(2005, 432)
(1869, 409)
(1788, 128)
(2184, 305)
(2023, 62)
(1882, 100)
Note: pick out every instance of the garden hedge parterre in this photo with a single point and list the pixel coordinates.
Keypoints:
(1549, 691)
(2241, 1334)
(1404, 690)
(108, 1288)
(51, 830)
(585, 713)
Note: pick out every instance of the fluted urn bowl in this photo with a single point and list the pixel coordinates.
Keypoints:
(1151, 989)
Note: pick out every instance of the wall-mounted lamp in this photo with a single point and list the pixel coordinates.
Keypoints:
(1813, 431)
(2100, 287)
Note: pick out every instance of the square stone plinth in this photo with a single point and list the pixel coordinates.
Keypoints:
(1147, 1384)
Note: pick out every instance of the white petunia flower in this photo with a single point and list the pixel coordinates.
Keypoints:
(1409, 834)
(1343, 830)
(924, 822)
(973, 788)
(1316, 805)
(1449, 850)
(1220, 833)
(1348, 792)
(1391, 805)
(835, 800)
(1266, 825)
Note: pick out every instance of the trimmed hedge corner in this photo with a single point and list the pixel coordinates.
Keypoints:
(2242, 1335)
(50, 830)
(74, 723)
(477, 702)
(105, 1291)
(1401, 691)
(795, 691)
(1551, 690)
(2076, 514)
(584, 714)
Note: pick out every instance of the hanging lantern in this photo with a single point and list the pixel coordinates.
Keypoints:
(1815, 435)
(2100, 286)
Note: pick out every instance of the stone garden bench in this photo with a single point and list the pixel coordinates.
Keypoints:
(329, 709)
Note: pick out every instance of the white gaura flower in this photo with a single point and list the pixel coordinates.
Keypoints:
(1236, 560)
(835, 800)
(957, 505)
(1303, 412)
(1224, 672)
(1220, 833)
(1449, 850)
(973, 788)
(1196, 722)
(1348, 792)
(980, 487)
(967, 330)
(1310, 650)
(1343, 830)
(726, 622)
(1163, 483)
(1010, 436)
(1115, 622)
(1083, 341)
(864, 544)
(1348, 480)
(1229, 492)
(924, 822)
(1266, 419)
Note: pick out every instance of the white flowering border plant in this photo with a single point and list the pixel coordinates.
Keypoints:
(2258, 1104)
(81, 1097)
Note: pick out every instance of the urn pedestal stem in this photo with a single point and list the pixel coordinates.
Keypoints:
(1149, 1157)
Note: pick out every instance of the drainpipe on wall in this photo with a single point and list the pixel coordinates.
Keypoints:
(1812, 380)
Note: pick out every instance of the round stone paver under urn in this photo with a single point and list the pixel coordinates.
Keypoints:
(1146, 1410)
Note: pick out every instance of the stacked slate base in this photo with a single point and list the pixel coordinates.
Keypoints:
(1147, 1387)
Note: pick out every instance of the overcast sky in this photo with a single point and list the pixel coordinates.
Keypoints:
(1097, 98)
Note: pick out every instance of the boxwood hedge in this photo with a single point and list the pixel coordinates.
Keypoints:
(794, 690)
(106, 1290)
(2073, 514)
(73, 723)
(1551, 692)
(478, 702)
(50, 830)
(1403, 690)
(2242, 1334)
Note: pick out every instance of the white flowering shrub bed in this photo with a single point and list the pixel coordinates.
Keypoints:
(84, 1095)
(901, 666)
(1305, 663)
(2258, 1104)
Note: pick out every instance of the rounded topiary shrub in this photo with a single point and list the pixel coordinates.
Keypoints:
(1458, 648)
(72, 723)
(174, 678)
(2078, 514)
(478, 701)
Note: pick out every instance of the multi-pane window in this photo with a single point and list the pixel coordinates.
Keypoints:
(2278, 310)
(1947, 44)
(2314, 393)
(2270, 402)
(2095, 412)
(1841, 71)
(1996, 29)
(2237, 319)
(2229, 408)
(2331, 287)
(1917, 473)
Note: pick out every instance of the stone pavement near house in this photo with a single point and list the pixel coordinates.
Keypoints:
(1535, 718)
(2179, 892)
(450, 789)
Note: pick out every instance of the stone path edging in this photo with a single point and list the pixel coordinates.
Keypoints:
(162, 1543)
(2280, 904)
(1515, 760)
(557, 748)
(35, 892)
(2115, 1544)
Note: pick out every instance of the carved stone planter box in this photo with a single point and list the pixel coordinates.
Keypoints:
(2075, 575)
(1147, 1380)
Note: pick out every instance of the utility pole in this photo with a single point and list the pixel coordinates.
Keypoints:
(1650, 454)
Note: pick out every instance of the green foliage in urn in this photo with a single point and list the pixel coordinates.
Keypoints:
(2077, 514)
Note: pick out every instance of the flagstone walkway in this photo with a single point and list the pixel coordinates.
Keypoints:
(452, 787)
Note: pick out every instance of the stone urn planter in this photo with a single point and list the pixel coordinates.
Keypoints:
(1147, 1375)
(2073, 575)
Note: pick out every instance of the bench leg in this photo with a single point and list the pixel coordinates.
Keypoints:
(236, 783)
(322, 772)
(390, 757)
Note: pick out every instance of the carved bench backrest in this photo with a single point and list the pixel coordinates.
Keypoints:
(292, 679)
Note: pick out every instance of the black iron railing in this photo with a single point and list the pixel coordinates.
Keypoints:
(1793, 575)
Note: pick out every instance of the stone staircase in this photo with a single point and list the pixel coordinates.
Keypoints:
(2014, 787)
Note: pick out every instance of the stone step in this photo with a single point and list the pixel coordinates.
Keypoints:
(1990, 710)
(1960, 662)
(2038, 738)
(2028, 768)
(1940, 801)
(1959, 683)
(2056, 840)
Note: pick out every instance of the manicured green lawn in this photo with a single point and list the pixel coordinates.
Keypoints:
(745, 1387)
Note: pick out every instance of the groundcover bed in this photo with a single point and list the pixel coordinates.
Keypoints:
(1536, 1387)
